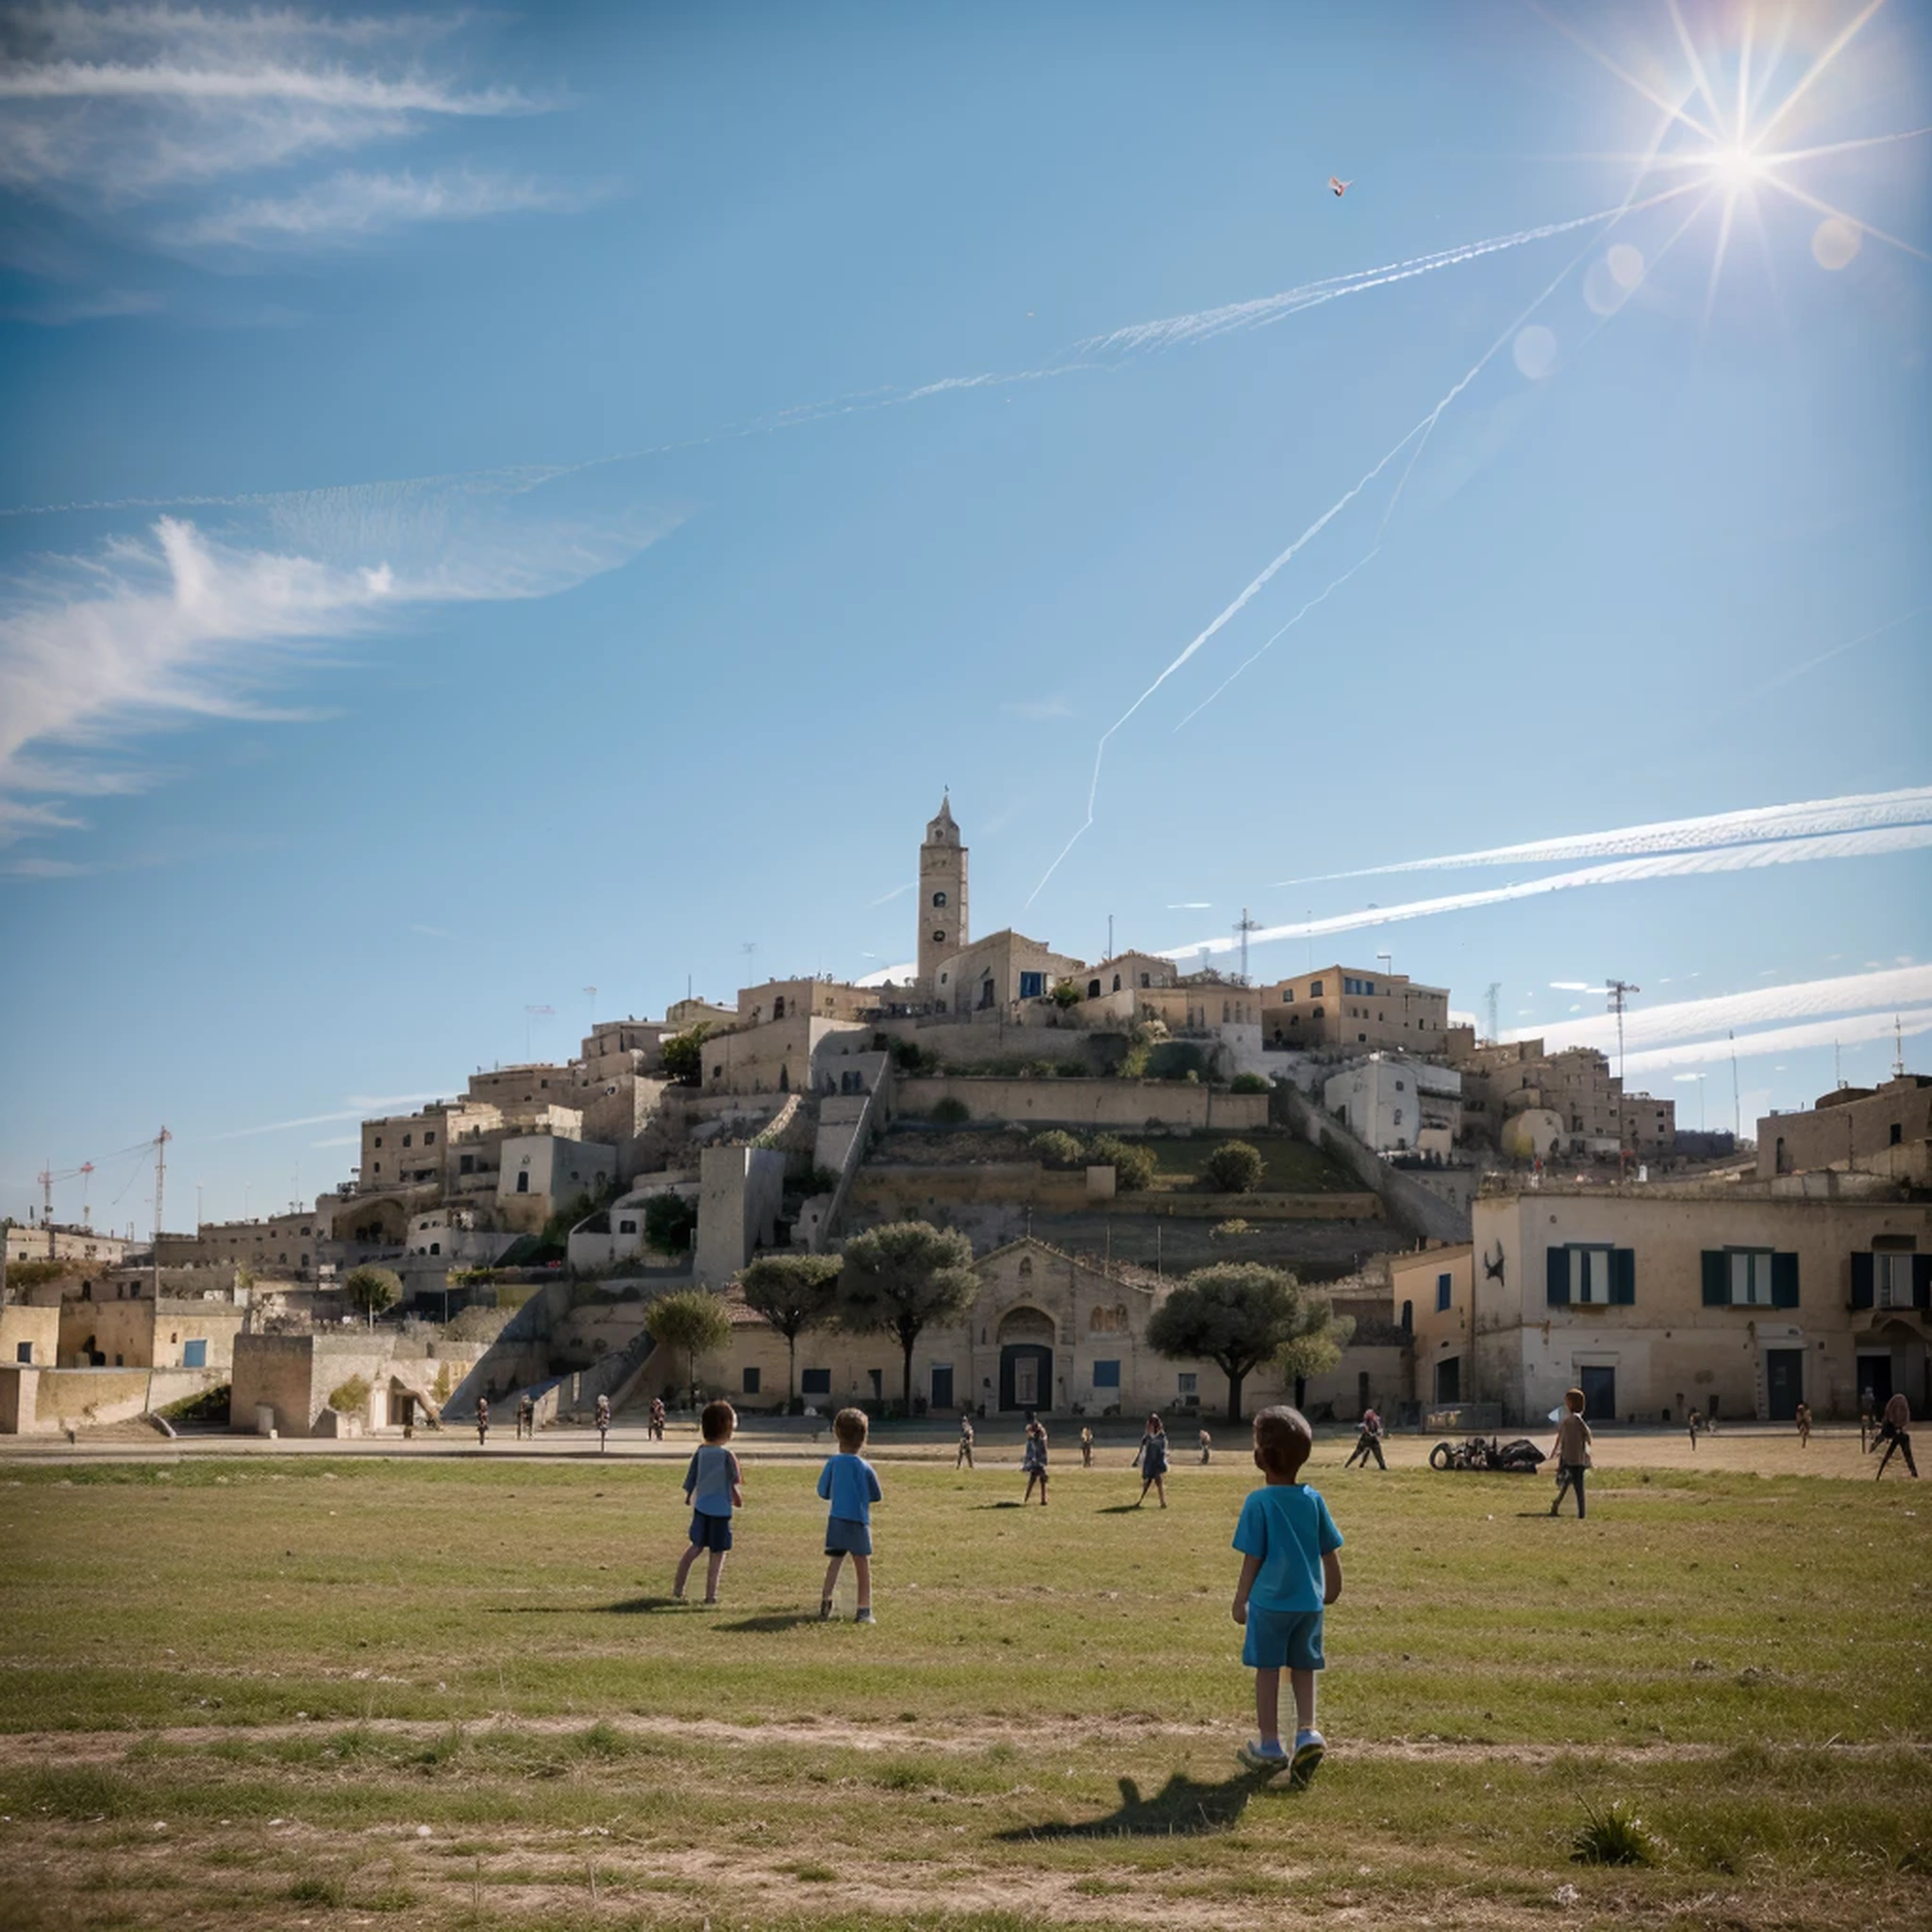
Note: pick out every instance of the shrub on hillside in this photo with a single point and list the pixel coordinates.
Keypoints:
(1133, 1166)
(949, 1111)
(1057, 1148)
(1247, 1083)
(1233, 1168)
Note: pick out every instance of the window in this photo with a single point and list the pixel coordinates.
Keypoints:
(1400, 1088)
(407, 1138)
(429, 1139)
(627, 1227)
(194, 1354)
(378, 1140)
(522, 1183)
(1750, 1277)
(939, 899)
(466, 1163)
(1186, 1383)
(752, 1380)
(1592, 1276)
(1145, 981)
(435, 1247)
(1892, 1280)
(1443, 1286)
(938, 938)
(23, 1351)
(778, 1007)
(1092, 989)
(1106, 1375)
(1116, 982)
(1314, 989)
(814, 1382)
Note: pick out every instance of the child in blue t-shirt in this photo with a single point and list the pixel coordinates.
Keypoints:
(713, 1486)
(1289, 1572)
(849, 1483)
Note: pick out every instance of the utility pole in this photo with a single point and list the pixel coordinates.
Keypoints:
(1110, 935)
(1495, 988)
(1620, 990)
(1244, 925)
(1737, 1109)
(1897, 1049)
(161, 1141)
(46, 1178)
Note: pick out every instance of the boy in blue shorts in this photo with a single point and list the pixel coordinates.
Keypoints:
(1289, 1572)
(849, 1483)
(713, 1486)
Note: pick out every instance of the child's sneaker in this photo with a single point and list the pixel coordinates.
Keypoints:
(1264, 1756)
(864, 1616)
(1309, 1747)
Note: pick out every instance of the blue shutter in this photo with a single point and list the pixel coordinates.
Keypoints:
(1922, 1281)
(1623, 1277)
(1557, 1262)
(1861, 1281)
(1784, 1281)
(1717, 1278)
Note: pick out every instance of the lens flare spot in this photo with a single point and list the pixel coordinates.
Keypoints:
(1535, 351)
(1834, 242)
(1626, 265)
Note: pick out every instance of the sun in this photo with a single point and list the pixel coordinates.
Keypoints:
(1736, 168)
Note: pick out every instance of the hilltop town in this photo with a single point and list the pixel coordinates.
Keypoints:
(1074, 1120)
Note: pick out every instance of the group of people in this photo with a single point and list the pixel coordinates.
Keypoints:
(1150, 1457)
(714, 1488)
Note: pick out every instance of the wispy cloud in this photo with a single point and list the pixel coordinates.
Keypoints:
(175, 625)
(1853, 1030)
(123, 101)
(886, 898)
(1628, 871)
(360, 1107)
(351, 205)
(1857, 812)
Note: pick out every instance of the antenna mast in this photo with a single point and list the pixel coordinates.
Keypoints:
(1897, 1049)
(1737, 1111)
(1244, 925)
(161, 1141)
(1496, 987)
(1620, 990)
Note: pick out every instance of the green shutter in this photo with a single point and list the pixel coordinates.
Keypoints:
(1623, 1277)
(1922, 1281)
(1784, 1281)
(1717, 1277)
(1861, 1281)
(1557, 1261)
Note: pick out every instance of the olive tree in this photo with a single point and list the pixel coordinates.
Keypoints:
(370, 1290)
(905, 1277)
(1236, 1315)
(793, 1293)
(693, 1319)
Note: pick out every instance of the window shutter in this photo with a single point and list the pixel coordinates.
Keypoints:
(1623, 1277)
(1716, 1286)
(1784, 1281)
(1558, 1260)
(1922, 1281)
(1861, 1281)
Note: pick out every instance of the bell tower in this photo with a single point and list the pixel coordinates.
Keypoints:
(942, 927)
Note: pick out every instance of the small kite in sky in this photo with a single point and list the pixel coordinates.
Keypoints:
(1341, 187)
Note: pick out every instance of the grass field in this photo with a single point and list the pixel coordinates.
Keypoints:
(266, 1691)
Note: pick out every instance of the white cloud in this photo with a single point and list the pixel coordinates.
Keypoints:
(122, 102)
(350, 205)
(907, 970)
(1853, 1030)
(174, 624)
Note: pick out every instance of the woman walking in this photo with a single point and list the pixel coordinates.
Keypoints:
(1034, 1461)
(1152, 1456)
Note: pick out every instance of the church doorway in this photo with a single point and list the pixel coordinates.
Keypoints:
(1026, 1360)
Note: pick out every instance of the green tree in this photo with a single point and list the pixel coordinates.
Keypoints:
(950, 1112)
(684, 1055)
(695, 1320)
(1065, 994)
(1233, 1168)
(1316, 1345)
(1236, 1315)
(793, 1293)
(1133, 1165)
(370, 1290)
(670, 1221)
(904, 1277)
(1247, 1083)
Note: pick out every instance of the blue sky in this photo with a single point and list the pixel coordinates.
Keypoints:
(502, 504)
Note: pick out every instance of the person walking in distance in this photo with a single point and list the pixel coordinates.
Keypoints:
(1207, 1447)
(603, 1422)
(527, 1417)
(1152, 1456)
(1572, 1451)
(1804, 1421)
(657, 1424)
(1086, 1446)
(1895, 1432)
(963, 1460)
(1033, 1460)
(482, 1420)
(1368, 1443)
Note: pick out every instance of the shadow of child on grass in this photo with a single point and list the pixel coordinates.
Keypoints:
(1183, 1808)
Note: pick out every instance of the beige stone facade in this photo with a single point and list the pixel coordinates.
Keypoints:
(176, 1332)
(1354, 1006)
(285, 1246)
(1656, 1299)
(993, 978)
(1885, 1130)
(51, 1241)
(1504, 1080)
(29, 1337)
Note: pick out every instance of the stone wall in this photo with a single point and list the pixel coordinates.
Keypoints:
(1131, 1104)
(1407, 1204)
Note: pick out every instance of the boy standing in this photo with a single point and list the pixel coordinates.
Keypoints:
(850, 1485)
(714, 1487)
(964, 1458)
(1289, 1573)
(1573, 1450)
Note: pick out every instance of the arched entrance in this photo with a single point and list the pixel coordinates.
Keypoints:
(1026, 1360)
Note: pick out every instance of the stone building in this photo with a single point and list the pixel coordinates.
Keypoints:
(1352, 1006)
(1885, 1130)
(1652, 1300)
(1395, 1106)
(945, 927)
(50, 1240)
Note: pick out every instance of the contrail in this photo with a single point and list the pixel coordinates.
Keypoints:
(1669, 865)
(1854, 1030)
(1859, 812)
(1890, 987)
(1170, 331)
(1260, 582)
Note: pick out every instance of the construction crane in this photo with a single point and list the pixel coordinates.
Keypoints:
(47, 1177)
